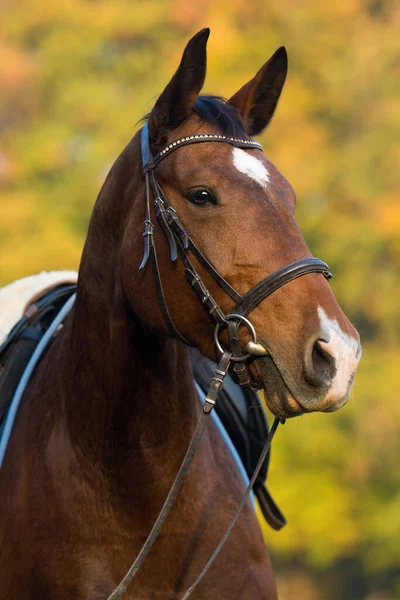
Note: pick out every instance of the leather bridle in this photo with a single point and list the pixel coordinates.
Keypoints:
(235, 357)
(181, 243)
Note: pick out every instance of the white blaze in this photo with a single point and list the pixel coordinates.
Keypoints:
(344, 349)
(251, 166)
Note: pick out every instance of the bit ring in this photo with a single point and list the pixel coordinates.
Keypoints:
(244, 321)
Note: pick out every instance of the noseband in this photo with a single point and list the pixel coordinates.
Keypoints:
(180, 244)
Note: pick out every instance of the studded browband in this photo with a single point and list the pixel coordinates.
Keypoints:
(149, 162)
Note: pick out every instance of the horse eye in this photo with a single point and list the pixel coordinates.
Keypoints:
(201, 197)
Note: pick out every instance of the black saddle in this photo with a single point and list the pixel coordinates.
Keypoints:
(240, 410)
(22, 340)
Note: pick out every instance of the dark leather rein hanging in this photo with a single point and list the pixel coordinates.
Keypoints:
(234, 358)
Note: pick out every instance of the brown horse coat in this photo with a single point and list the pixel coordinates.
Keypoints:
(111, 408)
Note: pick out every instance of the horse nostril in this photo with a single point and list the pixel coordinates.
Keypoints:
(320, 367)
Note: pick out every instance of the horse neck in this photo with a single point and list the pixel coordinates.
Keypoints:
(133, 391)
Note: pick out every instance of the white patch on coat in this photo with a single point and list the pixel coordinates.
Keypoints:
(346, 352)
(15, 297)
(250, 166)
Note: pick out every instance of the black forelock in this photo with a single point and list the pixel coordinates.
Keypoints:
(217, 112)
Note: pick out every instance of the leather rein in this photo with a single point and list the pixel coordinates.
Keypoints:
(234, 358)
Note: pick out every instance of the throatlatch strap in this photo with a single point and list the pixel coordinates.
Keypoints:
(161, 298)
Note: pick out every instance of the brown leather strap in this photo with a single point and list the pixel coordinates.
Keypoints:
(216, 383)
(213, 272)
(161, 298)
(269, 509)
(31, 312)
(187, 241)
(239, 368)
(151, 252)
(238, 511)
(148, 233)
(179, 242)
(277, 279)
(162, 217)
(173, 228)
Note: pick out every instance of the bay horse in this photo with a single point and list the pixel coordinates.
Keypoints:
(111, 408)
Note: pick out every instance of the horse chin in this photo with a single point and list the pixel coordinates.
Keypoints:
(279, 399)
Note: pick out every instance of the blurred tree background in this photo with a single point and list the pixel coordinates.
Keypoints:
(75, 78)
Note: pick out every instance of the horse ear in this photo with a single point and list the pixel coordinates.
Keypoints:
(256, 101)
(177, 100)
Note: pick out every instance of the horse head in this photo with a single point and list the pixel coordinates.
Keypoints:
(239, 210)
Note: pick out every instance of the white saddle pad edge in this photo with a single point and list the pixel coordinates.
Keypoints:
(15, 296)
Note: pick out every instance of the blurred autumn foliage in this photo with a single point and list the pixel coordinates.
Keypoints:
(75, 78)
